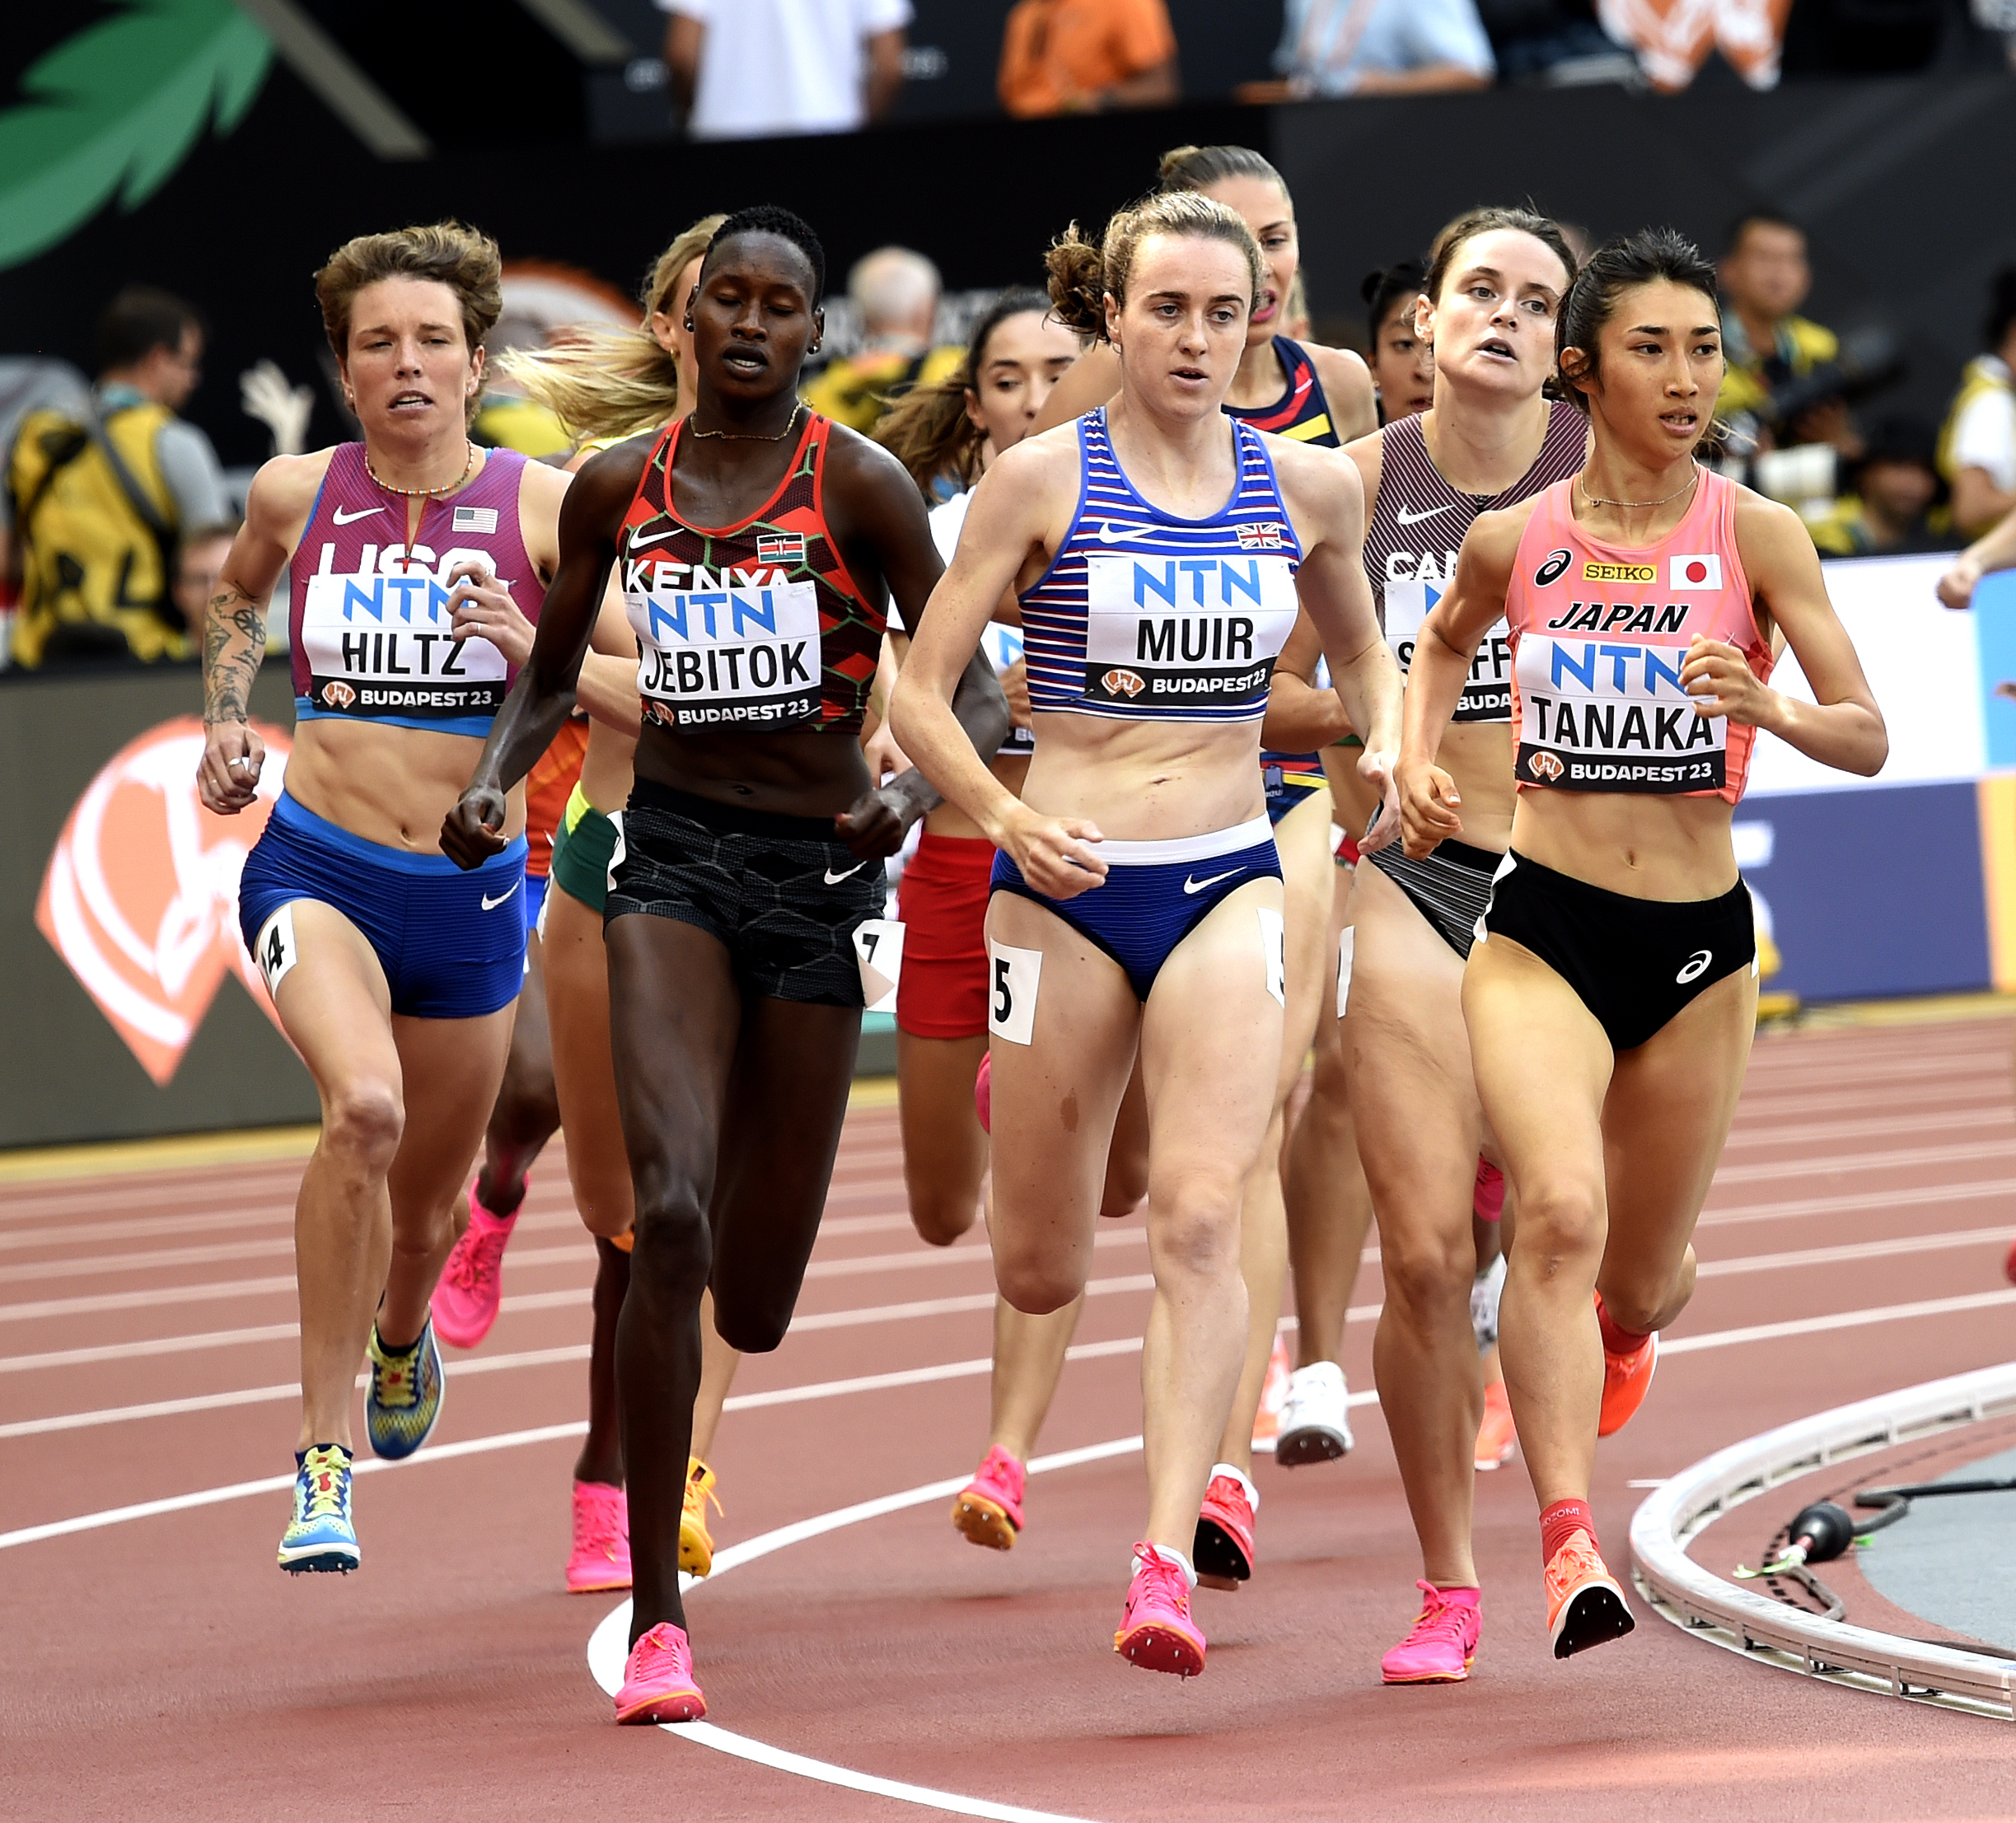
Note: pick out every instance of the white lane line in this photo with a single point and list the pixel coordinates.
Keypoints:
(1944, 1117)
(271, 1484)
(1798, 1206)
(541, 1357)
(608, 1645)
(1855, 1249)
(1901, 1159)
(1844, 1320)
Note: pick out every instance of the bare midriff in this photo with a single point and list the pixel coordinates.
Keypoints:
(1642, 846)
(1146, 781)
(389, 785)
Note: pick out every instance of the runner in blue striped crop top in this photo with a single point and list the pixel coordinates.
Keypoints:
(1144, 614)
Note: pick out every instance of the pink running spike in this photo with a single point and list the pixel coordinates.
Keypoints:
(1444, 1643)
(1156, 1631)
(989, 1508)
(601, 1559)
(464, 1302)
(657, 1679)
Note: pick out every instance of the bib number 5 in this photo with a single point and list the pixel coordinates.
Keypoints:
(1015, 976)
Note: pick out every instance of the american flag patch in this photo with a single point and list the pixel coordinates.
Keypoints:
(1266, 537)
(781, 548)
(476, 519)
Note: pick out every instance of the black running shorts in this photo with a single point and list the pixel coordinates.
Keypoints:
(779, 893)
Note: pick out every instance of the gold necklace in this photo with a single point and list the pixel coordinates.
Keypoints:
(751, 436)
(1597, 500)
(422, 493)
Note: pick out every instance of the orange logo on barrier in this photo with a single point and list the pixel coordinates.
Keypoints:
(140, 897)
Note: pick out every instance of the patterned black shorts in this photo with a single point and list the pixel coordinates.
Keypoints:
(780, 893)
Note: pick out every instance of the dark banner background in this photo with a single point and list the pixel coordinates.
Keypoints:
(1902, 184)
(65, 1072)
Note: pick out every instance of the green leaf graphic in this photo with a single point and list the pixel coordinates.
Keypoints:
(115, 109)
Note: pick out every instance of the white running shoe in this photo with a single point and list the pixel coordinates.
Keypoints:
(1484, 1291)
(1315, 1424)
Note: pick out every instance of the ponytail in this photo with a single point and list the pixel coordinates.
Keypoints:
(605, 385)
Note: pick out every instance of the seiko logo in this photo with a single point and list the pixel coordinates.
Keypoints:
(1544, 765)
(1122, 683)
(1619, 572)
(1555, 567)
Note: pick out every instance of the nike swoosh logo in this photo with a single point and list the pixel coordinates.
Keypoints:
(1198, 885)
(491, 905)
(1111, 533)
(1405, 518)
(834, 879)
(655, 538)
(343, 518)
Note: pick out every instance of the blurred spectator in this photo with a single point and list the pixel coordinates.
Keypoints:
(197, 561)
(1079, 56)
(1888, 510)
(1673, 37)
(1557, 42)
(1977, 447)
(1764, 279)
(896, 293)
(1403, 366)
(745, 69)
(1377, 47)
(100, 496)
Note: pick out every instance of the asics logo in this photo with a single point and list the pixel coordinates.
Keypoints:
(834, 879)
(1403, 517)
(1198, 886)
(343, 518)
(491, 905)
(1111, 533)
(1697, 966)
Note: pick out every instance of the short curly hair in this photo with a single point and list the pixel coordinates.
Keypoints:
(464, 258)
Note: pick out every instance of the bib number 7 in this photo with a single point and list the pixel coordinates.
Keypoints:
(1013, 978)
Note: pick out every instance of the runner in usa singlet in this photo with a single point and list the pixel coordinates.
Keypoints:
(373, 636)
(757, 624)
(1598, 636)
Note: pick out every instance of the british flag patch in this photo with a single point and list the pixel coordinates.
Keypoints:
(1266, 537)
(781, 548)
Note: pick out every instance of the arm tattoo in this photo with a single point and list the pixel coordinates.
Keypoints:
(234, 644)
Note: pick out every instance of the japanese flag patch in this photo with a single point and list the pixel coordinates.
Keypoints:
(1694, 573)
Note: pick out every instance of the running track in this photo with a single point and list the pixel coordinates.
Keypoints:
(162, 1666)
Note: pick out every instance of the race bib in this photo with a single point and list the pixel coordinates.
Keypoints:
(380, 641)
(1487, 691)
(1013, 977)
(1179, 633)
(274, 949)
(1609, 715)
(1274, 950)
(739, 647)
(878, 948)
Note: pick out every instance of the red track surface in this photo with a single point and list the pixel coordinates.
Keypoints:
(162, 1667)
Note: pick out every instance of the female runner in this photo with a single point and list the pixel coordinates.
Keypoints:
(1311, 394)
(606, 385)
(1327, 1207)
(757, 544)
(1495, 281)
(417, 561)
(1618, 942)
(1158, 552)
(955, 428)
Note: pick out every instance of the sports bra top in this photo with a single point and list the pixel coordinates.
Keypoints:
(1599, 632)
(1408, 568)
(1142, 615)
(756, 626)
(1302, 411)
(372, 639)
